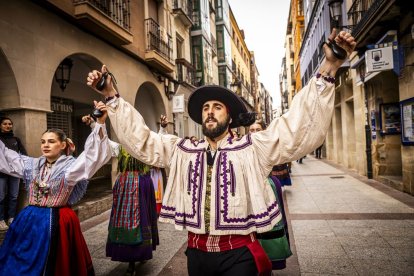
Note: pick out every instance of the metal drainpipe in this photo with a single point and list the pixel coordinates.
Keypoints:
(368, 141)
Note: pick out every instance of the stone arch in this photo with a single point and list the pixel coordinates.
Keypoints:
(76, 100)
(9, 92)
(76, 88)
(149, 103)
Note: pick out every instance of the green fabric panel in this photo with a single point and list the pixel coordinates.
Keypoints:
(277, 249)
(128, 163)
(125, 236)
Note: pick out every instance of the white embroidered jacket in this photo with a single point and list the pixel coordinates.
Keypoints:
(241, 200)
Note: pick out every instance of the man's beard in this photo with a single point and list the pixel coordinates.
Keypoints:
(216, 131)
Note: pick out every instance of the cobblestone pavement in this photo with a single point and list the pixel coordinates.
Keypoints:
(339, 222)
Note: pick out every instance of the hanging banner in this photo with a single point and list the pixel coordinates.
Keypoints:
(379, 59)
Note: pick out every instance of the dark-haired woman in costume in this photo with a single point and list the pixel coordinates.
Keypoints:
(45, 238)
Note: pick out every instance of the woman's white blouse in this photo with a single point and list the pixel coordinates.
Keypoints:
(56, 186)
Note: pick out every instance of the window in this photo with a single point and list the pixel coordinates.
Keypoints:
(220, 44)
(179, 45)
(222, 76)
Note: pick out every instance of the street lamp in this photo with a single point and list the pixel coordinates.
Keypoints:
(62, 74)
(170, 88)
(235, 85)
(335, 12)
(335, 9)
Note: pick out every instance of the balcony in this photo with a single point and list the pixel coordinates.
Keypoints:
(364, 12)
(185, 71)
(158, 47)
(246, 95)
(184, 10)
(243, 92)
(108, 19)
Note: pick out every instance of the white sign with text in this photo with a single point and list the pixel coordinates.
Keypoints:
(178, 104)
(379, 59)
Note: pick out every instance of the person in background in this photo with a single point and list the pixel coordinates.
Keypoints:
(9, 185)
(275, 242)
(132, 229)
(280, 171)
(318, 152)
(46, 238)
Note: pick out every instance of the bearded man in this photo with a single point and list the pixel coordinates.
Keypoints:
(216, 187)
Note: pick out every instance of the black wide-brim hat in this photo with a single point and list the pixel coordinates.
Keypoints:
(216, 93)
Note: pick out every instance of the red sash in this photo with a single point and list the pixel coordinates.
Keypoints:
(263, 263)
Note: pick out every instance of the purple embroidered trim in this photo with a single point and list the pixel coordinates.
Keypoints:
(222, 171)
(242, 146)
(190, 170)
(198, 173)
(232, 180)
(185, 149)
(326, 78)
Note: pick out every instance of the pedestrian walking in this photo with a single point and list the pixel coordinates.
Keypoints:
(318, 152)
(9, 185)
(216, 188)
(45, 238)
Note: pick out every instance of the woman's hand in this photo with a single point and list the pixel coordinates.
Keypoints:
(93, 78)
(87, 119)
(163, 121)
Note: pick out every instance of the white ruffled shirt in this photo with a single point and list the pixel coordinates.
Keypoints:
(241, 200)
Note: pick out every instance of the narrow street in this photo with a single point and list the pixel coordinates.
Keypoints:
(339, 224)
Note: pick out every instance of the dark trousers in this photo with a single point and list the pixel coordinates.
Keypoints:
(9, 189)
(318, 152)
(238, 262)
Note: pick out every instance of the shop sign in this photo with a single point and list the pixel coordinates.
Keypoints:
(62, 107)
(379, 59)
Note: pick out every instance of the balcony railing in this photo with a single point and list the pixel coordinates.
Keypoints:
(185, 71)
(246, 95)
(157, 39)
(361, 12)
(117, 10)
(185, 10)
